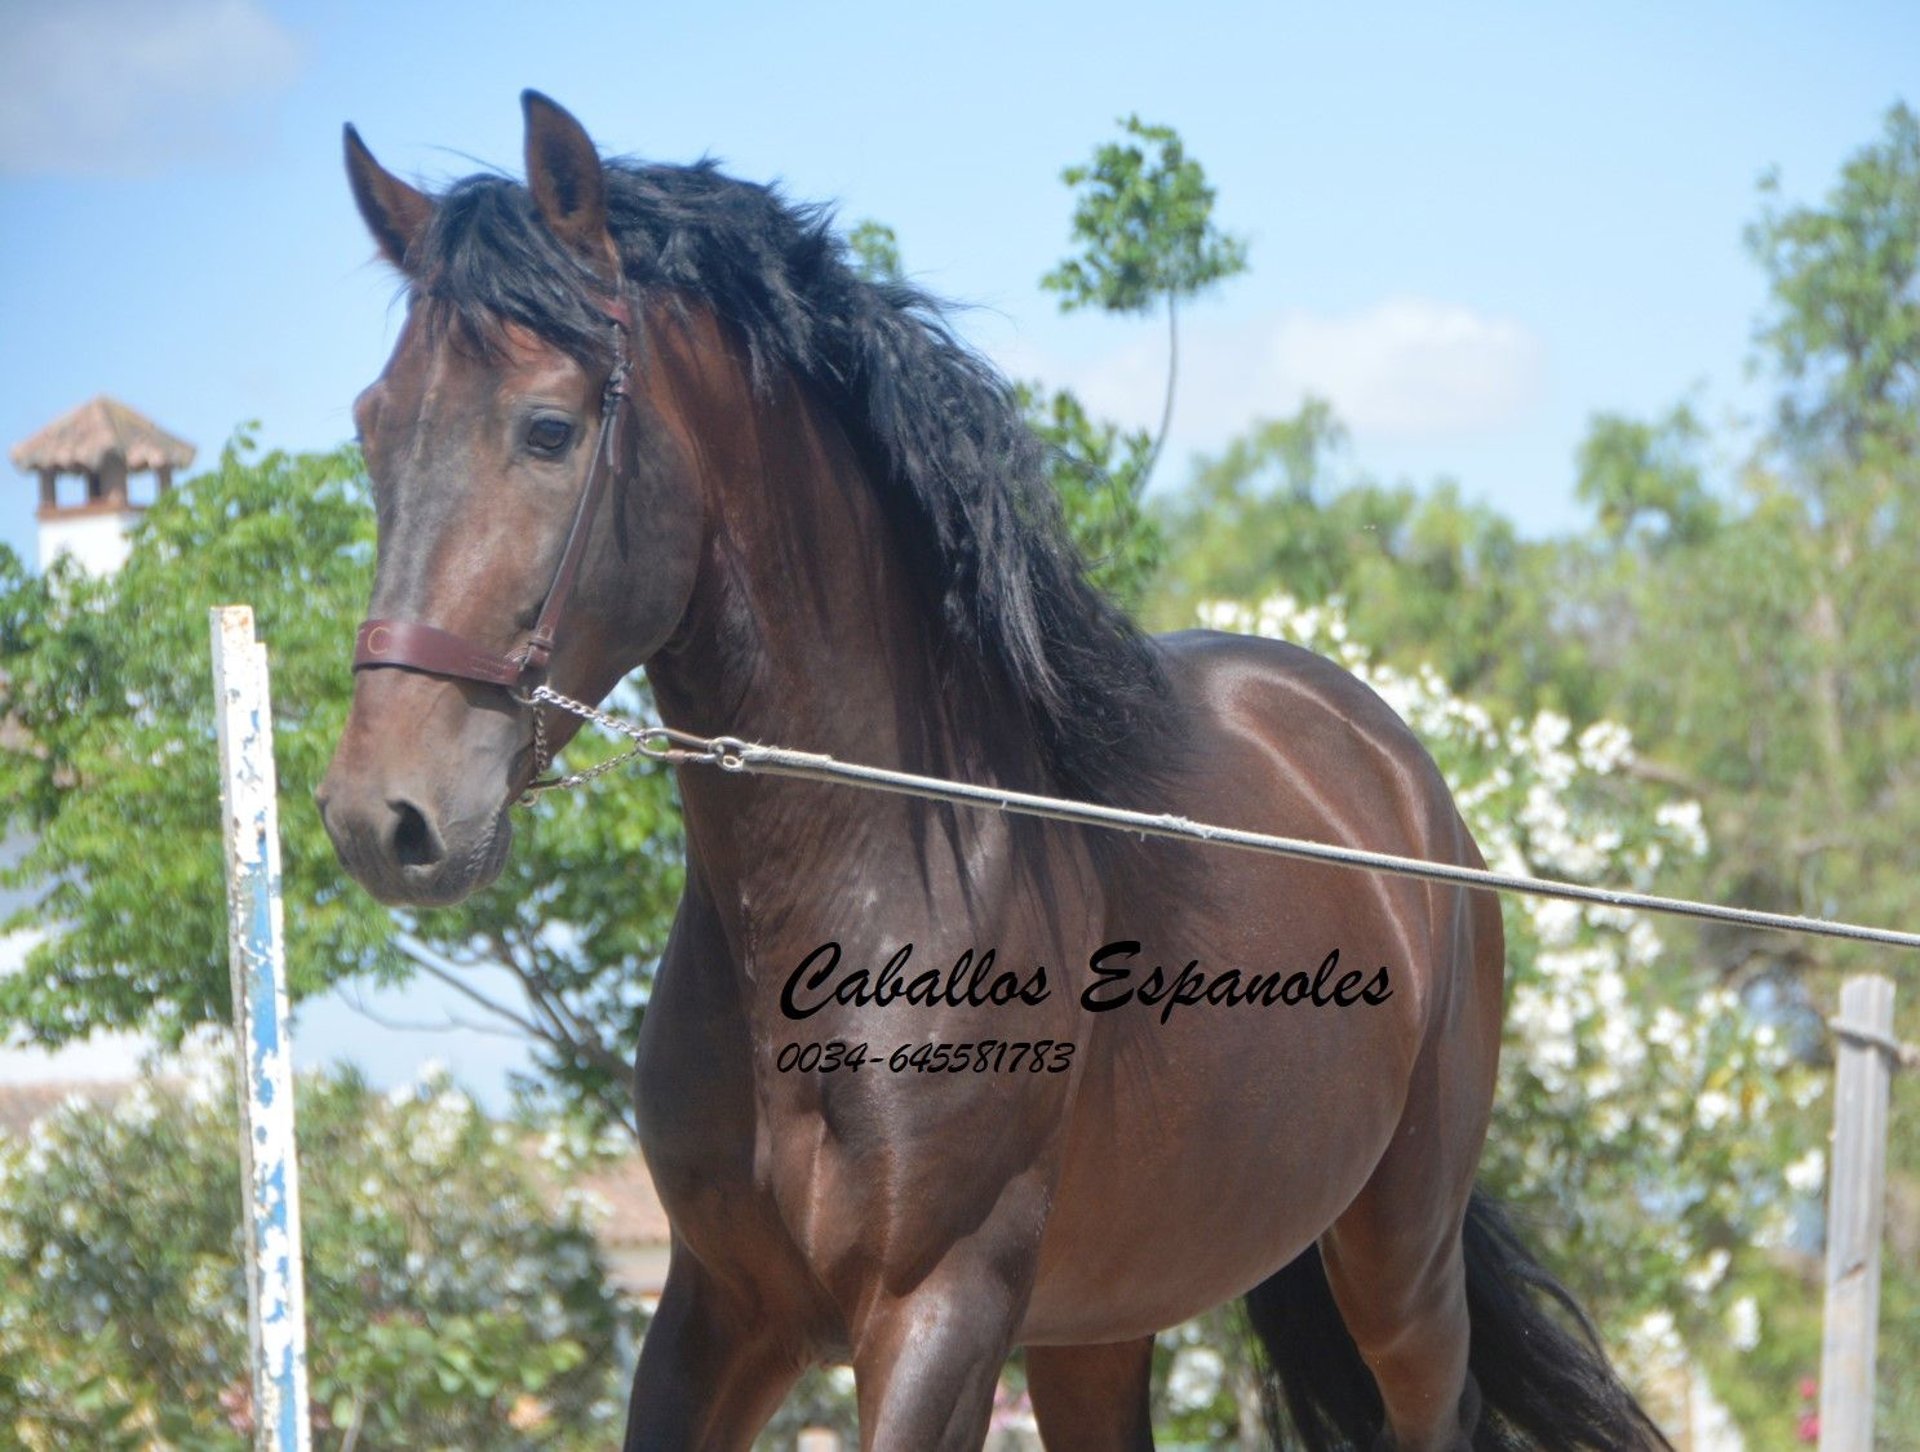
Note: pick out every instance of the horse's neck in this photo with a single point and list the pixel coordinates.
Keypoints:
(807, 630)
(802, 626)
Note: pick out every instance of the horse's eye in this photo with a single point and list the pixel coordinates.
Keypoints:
(548, 435)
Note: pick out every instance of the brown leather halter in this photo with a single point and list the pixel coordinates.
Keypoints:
(412, 645)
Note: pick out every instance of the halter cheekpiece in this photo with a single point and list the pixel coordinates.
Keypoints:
(412, 645)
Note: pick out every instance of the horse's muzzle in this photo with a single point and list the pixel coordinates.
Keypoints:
(404, 851)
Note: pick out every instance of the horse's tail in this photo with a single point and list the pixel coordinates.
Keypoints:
(1544, 1381)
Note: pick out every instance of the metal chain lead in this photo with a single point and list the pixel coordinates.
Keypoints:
(656, 743)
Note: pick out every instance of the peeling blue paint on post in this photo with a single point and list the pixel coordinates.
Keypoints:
(276, 1300)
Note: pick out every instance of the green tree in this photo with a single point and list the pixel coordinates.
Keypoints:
(876, 252)
(1759, 639)
(108, 685)
(1099, 471)
(1144, 218)
(1645, 480)
(1843, 332)
(1423, 575)
(1797, 586)
(456, 1297)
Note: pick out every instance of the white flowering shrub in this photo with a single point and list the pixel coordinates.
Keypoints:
(450, 1302)
(1206, 1384)
(1643, 1121)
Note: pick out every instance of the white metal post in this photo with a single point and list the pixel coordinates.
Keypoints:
(1856, 1199)
(276, 1298)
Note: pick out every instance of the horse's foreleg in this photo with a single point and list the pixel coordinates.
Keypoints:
(927, 1361)
(1093, 1398)
(713, 1367)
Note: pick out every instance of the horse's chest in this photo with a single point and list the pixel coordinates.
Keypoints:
(693, 1079)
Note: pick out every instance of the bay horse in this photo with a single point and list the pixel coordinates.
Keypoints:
(918, 1085)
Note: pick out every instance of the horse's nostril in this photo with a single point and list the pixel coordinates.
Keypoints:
(415, 843)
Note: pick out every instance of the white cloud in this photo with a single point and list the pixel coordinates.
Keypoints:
(130, 87)
(1404, 369)
(1412, 368)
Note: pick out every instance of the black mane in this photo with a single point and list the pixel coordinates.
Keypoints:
(962, 477)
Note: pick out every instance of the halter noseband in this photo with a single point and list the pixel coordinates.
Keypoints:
(411, 645)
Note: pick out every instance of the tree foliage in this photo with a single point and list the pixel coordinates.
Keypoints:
(1644, 481)
(1424, 576)
(1099, 471)
(108, 684)
(1761, 636)
(1770, 660)
(876, 252)
(455, 1297)
(1843, 332)
(112, 769)
(1144, 217)
(1144, 222)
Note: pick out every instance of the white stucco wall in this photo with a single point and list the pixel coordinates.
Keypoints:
(97, 541)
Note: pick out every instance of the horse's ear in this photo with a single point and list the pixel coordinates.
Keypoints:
(568, 185)
(396, 213)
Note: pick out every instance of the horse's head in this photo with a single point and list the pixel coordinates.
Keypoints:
(480, 439)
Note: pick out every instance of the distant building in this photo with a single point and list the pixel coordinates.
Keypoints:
(634, 1235)
(88, 462)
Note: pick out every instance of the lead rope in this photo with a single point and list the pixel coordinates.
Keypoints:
(665, 744)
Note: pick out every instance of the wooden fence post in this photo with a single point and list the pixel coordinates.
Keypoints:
(276, 1295)
(1856, 1199)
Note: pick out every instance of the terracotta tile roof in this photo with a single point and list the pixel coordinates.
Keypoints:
(633, 1236)
(634, 1215)
(81, 441)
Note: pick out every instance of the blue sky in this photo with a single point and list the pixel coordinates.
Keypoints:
(1471, 226)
